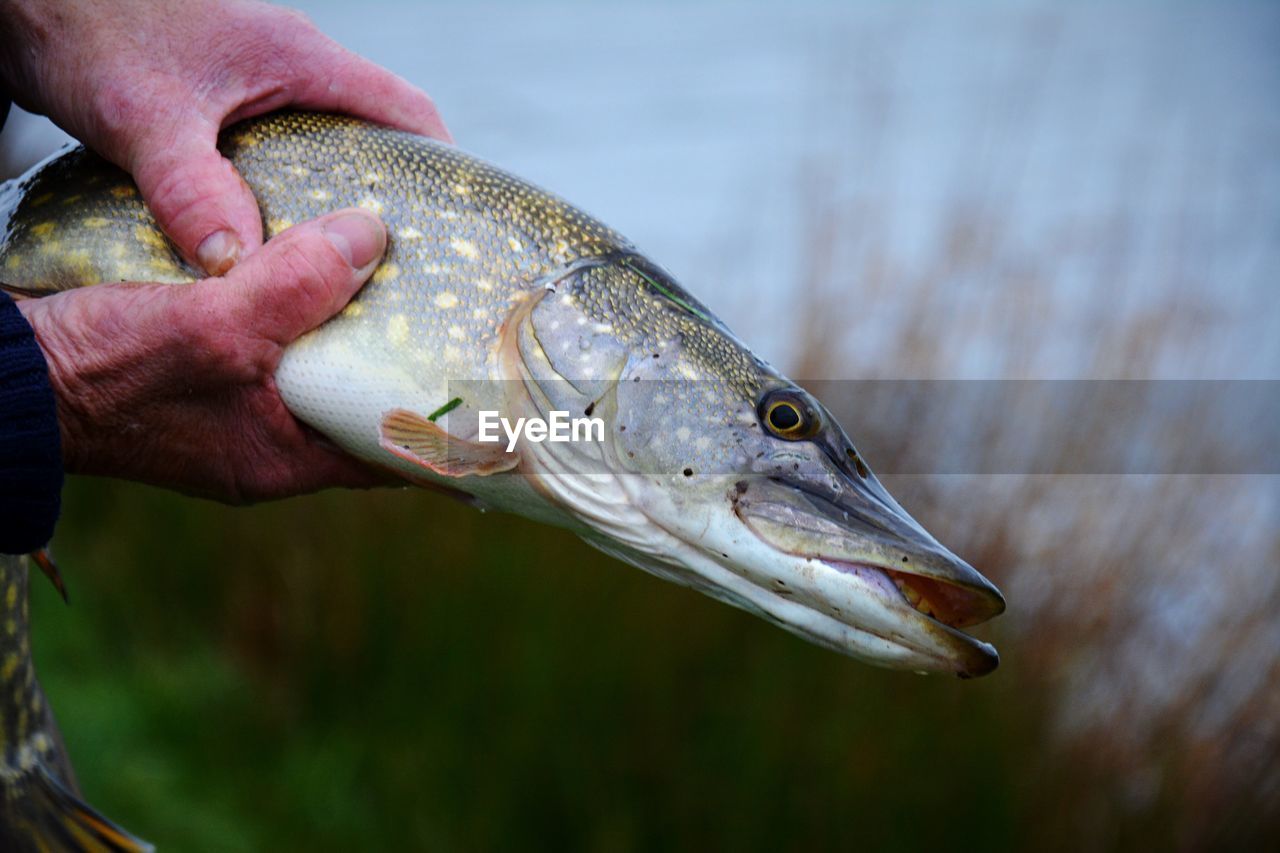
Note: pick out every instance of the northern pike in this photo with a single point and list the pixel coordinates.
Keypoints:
(713, 469)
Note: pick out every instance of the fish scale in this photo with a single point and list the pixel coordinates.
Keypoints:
(496, 295)
(466, 243)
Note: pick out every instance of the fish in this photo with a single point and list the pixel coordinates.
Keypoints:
(40, 805)
(498, 299)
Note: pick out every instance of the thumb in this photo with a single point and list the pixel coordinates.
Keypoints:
(197, 196)
(302, 277)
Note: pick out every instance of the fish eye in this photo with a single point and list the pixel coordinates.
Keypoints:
(787, 415)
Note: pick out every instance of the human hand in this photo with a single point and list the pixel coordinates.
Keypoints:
(173, 384)
(149, 83)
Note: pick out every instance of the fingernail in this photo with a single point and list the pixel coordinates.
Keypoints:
(358, 236)
(218, 252)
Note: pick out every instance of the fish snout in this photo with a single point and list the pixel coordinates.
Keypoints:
(905, 586)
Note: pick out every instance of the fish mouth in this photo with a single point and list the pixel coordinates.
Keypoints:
(871, 567)
(948, 603)
(931, 620)
(945, 609)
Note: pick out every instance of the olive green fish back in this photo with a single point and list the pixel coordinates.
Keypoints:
(450, 216)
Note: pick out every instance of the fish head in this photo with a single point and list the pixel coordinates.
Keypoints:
(717, 472)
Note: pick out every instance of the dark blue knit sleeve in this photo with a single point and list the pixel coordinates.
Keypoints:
(30, 446)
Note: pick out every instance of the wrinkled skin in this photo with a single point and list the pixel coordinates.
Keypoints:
(173, 386)
(148, 84)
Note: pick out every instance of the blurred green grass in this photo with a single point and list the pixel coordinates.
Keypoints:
(393, 670)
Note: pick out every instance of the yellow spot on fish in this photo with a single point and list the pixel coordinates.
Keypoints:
(516, 245)
(462, 189)
(13, 262)
(484, 284)
(320, 195)
(353, 309)
(10, 666)
(372, 204)
(446, 299)
(278, 224)
(41, 740)
(409, 233)
(149, 236)
(124, 191)
(11, 595)
(398, 329)
(463, 247)
(372, 178)
(44, 229)
(72, 199)
(10, 627)
(386, 272)
(298, 171)
(42, 200)
(95, 222)
(457, 333)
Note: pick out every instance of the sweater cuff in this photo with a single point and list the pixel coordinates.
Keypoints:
(30, 443)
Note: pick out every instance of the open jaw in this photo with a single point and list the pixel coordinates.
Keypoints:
(948, 603)
(911, 619)
(931, 613)
(855, 557)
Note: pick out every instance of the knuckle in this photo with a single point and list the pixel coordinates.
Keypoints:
(173, 192)
(296, 19)
(313, 264)
(119, 114)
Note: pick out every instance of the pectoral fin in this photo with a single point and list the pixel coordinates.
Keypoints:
(44, 560)
(416, 439)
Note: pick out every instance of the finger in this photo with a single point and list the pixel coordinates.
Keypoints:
(394, 101)
(198, 198)
(333, 79)
(301, 277)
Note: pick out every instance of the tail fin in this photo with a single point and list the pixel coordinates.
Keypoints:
(38, 813)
